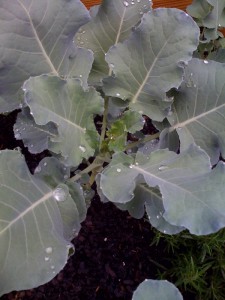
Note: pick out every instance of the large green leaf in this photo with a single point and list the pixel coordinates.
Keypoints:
(65, 103)
(146, 65)
(199, 9)
(156, 290)
(186, 182)
(37, 223)
(151, 199)
(216, 17)
(199, 108)
(35, 137)
(36, 37)
(210, 14)
(112, 23)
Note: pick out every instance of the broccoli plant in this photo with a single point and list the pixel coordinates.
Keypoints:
(84, 84)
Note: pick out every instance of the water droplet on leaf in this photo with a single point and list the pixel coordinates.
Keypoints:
(59, 194)
(118, 170)
(17, 136)
(125, 3)
(48, 250)
(162, 168)
(205, 61)
(82, 148)
(37, 170)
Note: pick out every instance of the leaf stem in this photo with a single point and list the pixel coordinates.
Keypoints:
(142, 141)
(104, 122)
(90, 168)
(97, 163)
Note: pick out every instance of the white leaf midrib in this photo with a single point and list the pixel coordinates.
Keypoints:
(47, 58)
(196, 118)
(26, 211)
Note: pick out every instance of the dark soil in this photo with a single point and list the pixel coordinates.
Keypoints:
(113, 253)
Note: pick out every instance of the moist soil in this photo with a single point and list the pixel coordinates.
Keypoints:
(113, 250)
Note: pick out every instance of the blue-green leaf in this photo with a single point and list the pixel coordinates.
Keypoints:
(146, 65)
(156, 290)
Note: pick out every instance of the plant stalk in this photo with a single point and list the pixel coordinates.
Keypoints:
(104, 122)
(142, 141)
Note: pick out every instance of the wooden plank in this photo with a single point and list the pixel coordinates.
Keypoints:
(157, 3)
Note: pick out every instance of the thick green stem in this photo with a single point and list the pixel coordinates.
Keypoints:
(142, 141)
(104, 122)
(89, 169)
(97, 163)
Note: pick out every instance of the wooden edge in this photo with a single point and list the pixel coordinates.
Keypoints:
(156, 3)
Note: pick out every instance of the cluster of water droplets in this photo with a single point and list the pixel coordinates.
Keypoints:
(48, 252)
(142, 9)
(81, 38)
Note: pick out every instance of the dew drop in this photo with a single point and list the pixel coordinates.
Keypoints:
(164, 231)
(168, 99)
(82, 148)
(118, 170)
(161, 168)
(125, 3)
(38, 169)
(48, 250)
(205, 61)
(52, 267)
(131, 166)
(80, 76)
(157, 216)
(46, 258)
(136, 163)
(59, 194)
(117, 94)
(44, 164)
(138, 1)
